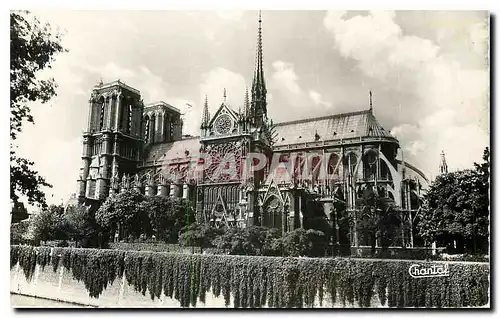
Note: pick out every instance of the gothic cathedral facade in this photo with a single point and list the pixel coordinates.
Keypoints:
(129, 145)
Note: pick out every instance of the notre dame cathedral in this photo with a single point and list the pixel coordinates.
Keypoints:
(130, 145)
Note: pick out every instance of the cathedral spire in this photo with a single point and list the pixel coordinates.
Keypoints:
(443, 166)
(371, 104)
(205, 119)
(259, 92)
(246, 109)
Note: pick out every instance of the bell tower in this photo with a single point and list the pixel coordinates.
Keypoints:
(112, 142)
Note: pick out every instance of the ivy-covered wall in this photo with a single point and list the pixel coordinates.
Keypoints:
(248, 282)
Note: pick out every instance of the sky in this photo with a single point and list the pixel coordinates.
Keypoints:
(428, 71)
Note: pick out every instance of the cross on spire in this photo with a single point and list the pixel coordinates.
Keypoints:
(224, 95)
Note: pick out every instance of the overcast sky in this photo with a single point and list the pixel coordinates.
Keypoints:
(428, 72)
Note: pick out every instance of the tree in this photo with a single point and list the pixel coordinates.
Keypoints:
(183, 214)
(483, 169)
(457, 209)
(168, 216)
(48, 224)
(18, 232)
(33, 47)
(80, 224)
(376, 219)
(126, 209)
(158, 210)
(25, 181)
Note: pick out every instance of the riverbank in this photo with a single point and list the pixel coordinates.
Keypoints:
(21, 301)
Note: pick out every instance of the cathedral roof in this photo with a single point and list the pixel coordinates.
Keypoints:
(361, 124)
(177, 150)
(330, 128)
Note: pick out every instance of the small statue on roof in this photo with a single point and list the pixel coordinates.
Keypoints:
(125, 181)
(137, 181)
(149, 178)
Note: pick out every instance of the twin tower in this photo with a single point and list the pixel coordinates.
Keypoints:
(119, 128)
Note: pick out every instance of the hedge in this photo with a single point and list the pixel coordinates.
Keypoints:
(153, 247)
(255, 281)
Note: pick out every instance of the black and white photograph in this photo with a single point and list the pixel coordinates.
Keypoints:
(250, 159)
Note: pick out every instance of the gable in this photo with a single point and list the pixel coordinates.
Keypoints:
(224, 121)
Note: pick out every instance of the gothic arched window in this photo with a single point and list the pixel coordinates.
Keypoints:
(160, 121)
(370, 165)
(152, 122)
(315, 168)
(350, 162)
(333, 169)
(385, 173)
(299, 166)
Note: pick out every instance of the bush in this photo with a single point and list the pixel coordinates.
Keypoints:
(18, 232)
(302, 242)
(253, 240)
(199, 235)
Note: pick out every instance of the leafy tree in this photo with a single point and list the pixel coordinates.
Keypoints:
(18, 232)
(159, 211)
(25, 181)
(80, 223)
(48, 224)
(183, 214)
(376, 219)
(168, 216)
(457, 209)
(33, 47)
(483, 169)
(126, 209)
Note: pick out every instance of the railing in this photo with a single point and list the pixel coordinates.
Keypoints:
(339, 142)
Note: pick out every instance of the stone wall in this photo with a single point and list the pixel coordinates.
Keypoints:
(61, 286)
